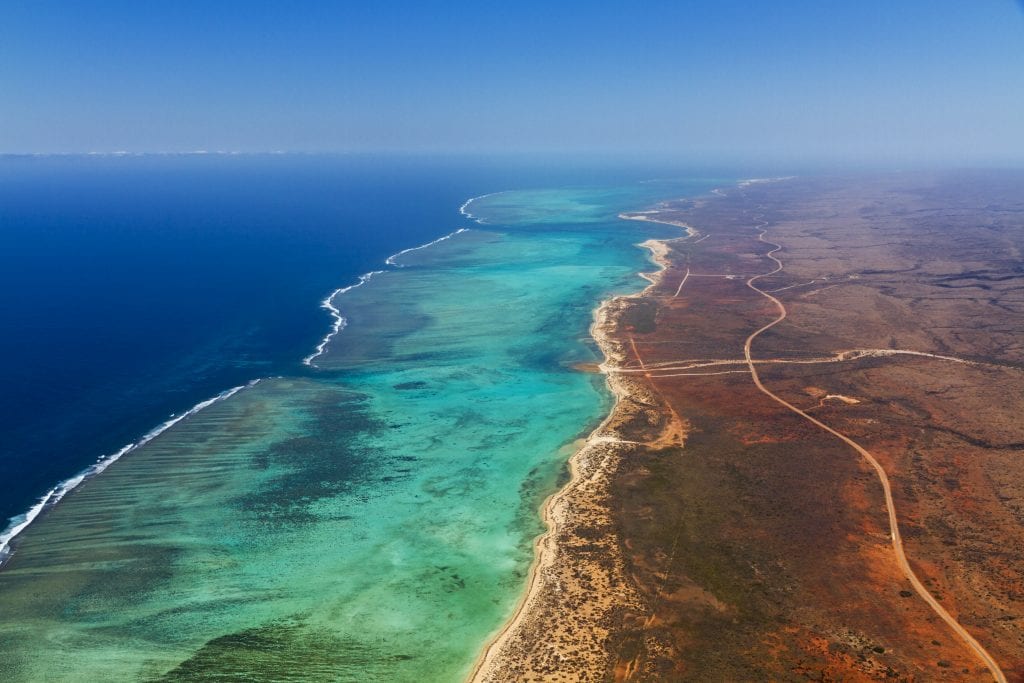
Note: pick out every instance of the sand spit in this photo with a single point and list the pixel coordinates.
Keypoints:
(659, 254)
(648, 217)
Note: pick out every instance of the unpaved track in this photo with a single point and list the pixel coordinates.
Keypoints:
(894, 529)
(840, 357)
(681, 283)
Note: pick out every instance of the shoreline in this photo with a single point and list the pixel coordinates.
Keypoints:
(644, 217)
(727, 522)
(488, 665)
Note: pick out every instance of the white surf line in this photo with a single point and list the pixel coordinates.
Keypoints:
(339, 320)
(465, 206)
(890, 505)
(53, 496)
(390, 260)
(681, 283)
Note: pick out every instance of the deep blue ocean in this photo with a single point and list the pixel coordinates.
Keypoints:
(132, 288)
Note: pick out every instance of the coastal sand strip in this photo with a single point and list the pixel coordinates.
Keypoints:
(589, 467)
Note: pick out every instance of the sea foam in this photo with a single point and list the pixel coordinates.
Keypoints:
(339, 320)
(391, 260)
(464, 209)
(20, 522)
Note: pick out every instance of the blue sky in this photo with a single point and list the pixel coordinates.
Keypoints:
(873, 80)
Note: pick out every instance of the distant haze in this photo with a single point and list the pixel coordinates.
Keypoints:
(931, 81)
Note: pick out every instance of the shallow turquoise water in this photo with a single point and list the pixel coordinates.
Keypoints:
(371, 521)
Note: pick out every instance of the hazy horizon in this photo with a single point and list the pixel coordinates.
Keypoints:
(918, 83)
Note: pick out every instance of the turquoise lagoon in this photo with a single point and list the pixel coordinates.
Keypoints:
(370, 519)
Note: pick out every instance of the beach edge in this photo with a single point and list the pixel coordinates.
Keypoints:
(595, 458)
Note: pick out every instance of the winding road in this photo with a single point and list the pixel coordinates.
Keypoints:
(894, 529)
